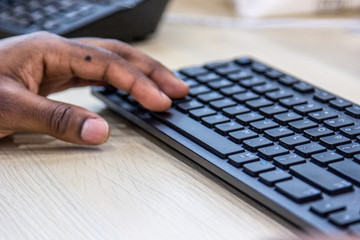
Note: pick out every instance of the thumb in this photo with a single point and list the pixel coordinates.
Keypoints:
(31, 112)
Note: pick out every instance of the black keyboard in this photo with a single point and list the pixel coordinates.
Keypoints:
(289, 145)
(126, 20)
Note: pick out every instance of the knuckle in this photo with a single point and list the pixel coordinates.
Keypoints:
(59, 119)
(154, 66)
(121, 48)
(43, 38)
(43, 34)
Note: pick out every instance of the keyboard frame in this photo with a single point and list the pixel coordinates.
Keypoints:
(298, 214)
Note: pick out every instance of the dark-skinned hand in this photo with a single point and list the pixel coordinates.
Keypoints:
(35, 65)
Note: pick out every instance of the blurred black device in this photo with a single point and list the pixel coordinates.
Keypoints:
(127, 20)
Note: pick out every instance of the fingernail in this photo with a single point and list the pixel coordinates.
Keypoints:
(95, 131)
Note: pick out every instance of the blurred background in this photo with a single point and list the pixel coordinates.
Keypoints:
(269, 13)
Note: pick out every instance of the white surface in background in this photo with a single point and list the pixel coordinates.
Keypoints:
(346, 23)
(275, 8)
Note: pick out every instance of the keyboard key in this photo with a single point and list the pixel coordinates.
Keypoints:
(235, 110)
(323, 96)
(38, 15)
(194, 71)
(288, 160)
(273, 74)
(228, 91)
(307, 108)
(298, 191)
(225, 128)
(259, 103)
(276, 133)
(238, 160)
(326, 181)
(255, 143)
(239, 76)
(212, 120)
(272, 151)
(301, 125)
(292, 141)
(285, 118)
(220, 84)
(243, 61)
(334, 140)
(194, 91)
(323, 159)
(272, 177)
(292, 101)
(275, 96)
(255, 168)
(357, 158)
(337, 123)
(186, 106)
(303, 87)
(213, 142)
(215, 65)
(316, 133)
(228, 69)
(46, 25)
(191, 82)
(259, 67)
(348, 150)
(118, 92)
(208, 77)
(239, 136)
(207, 97)
(272, 110)
(247, 118)
(322, 115)
(243, 97)
(350, 131)
(326, 207)
(353, 111)
(261, 126)
(201, 112)
(179, 100)
(255, 81)
(223, 103)
(343, 219)
(131, 100)
(269, 87)
(288, 80)
(340, 104)
(309, 149)
(347, 169)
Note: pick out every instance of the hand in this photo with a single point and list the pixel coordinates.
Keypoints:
(33, 66)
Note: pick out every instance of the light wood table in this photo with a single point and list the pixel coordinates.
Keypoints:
(134, 186)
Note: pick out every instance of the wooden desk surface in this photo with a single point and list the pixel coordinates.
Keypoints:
(135, 187)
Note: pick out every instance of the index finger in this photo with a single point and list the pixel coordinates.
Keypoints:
(163, 77)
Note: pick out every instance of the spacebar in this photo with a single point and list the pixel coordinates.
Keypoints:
(205, 137)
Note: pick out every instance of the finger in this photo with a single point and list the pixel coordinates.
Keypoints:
(27, 111)
(92, 63)
(167, 81)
